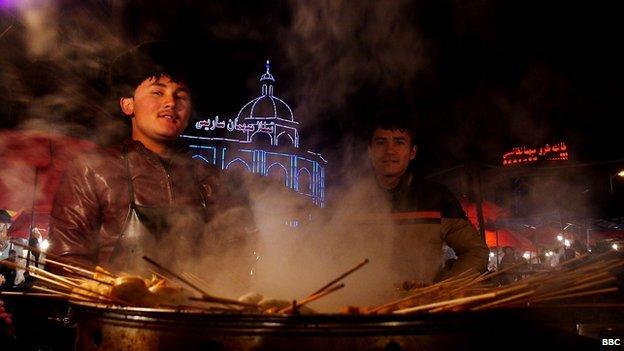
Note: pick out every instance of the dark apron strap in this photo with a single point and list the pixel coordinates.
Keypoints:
(128, 175)
(131, 206)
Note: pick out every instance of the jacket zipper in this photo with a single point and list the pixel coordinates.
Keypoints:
(169, 184)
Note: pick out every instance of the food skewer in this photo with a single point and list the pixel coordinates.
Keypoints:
(73, 296)
(205, 296)
(59, 260)
(342, 276)
(82, 276)
(312, 298)
(31, 294)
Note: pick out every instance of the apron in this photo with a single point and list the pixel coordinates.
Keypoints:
(148, 231)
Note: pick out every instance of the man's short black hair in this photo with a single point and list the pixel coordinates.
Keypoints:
(400, 123)
(148, 60)
(12, 252)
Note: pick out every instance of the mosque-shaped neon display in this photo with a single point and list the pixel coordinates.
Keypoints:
(263, 139)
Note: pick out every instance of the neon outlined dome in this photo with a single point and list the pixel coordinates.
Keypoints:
(267, 106)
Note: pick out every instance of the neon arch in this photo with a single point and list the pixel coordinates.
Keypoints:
(281, 169)
(238, 161)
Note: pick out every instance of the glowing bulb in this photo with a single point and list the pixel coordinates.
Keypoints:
(527, 255)
(621, 173)
(559, 237)
(614, 246)
(492, 254)
(567, 243)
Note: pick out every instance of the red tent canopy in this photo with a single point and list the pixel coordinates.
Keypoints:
(507, 238)
(32, 163)
(21, 226)
(491, 213)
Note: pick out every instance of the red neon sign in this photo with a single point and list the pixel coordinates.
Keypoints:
(523, 154)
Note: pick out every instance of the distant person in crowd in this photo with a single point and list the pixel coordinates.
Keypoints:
(33, 241)
(509, 259)
(26, 283)
(9, 273)
(579, 248)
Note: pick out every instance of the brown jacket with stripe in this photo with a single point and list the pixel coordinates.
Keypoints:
(426, 215)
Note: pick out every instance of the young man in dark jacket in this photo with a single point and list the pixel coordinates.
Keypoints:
(145, 196)
(426, 214)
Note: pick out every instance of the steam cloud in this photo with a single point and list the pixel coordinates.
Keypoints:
(53, 70)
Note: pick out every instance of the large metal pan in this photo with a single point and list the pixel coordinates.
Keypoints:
(103, 327)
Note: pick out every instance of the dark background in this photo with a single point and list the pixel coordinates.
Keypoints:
(476, 78)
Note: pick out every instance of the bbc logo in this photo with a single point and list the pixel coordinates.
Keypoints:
(611, 342)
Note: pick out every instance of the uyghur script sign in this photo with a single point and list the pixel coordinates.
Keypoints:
(556, 152)
(232, 125)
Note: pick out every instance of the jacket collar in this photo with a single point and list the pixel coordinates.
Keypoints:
(404, 183)
(179, 148)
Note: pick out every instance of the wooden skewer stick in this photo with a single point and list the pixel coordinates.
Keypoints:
(497, 293)
(223, 301)
(443, 303)
(162, 277)
(503, 301)
(31, 294)
(198, 308)
(200, 282)
(71, 286)
(422, 291)
(60, 259)
(174, 275)
(51, 275)
(82, 276)
(580, 294)
(85, 272)
(68, 296)
(205, 296)
(312, 298)
(342, 276)
(502, 271)
(577, 287)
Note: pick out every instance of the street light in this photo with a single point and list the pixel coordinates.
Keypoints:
(618, 174)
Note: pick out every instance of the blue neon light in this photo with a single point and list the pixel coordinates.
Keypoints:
(303, 171)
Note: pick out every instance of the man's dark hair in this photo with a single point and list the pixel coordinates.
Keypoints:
(392, 123)
(12, 252)
(148, 60)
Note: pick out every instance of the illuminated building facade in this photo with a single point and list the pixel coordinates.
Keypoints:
(262, 139)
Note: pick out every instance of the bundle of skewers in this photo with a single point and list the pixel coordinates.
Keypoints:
(165, 288)
(576, 280)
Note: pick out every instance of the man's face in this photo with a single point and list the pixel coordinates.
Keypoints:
(390, 152)
(160, 108)
(12, 256)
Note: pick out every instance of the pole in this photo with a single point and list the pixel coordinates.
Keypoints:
(476, 182)
(32, 215)
(611, 183)
(497, 248)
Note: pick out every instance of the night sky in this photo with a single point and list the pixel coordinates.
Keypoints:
(475, 77)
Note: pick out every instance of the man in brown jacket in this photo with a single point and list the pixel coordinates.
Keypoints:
(426, 214)
(145, 196)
